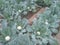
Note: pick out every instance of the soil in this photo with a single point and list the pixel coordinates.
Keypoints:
(58, 38)
(31, 16)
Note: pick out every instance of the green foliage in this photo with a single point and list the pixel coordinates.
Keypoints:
(16, 7)
(44, 3)
(15, 29)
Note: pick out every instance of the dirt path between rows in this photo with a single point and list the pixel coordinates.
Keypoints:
(35, 15)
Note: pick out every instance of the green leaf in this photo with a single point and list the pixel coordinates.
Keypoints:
(53, 42)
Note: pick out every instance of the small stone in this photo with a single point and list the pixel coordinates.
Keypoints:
(19, 10)
(28, 7)
(38, 33)
(46, 22)
(19, 27)
(7, 38)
